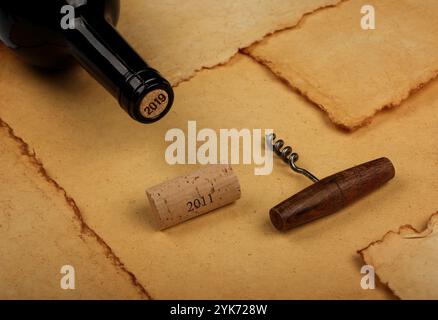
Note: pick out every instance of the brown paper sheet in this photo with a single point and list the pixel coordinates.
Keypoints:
(352, 73)
(407, 261)
(106, 161)
(39, 233)
(178, 38)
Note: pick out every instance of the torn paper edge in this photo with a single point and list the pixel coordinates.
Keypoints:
(406, 232)
(354, 125)
(250, 43)
(84, 228)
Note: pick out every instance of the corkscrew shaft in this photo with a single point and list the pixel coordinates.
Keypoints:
(288, 156)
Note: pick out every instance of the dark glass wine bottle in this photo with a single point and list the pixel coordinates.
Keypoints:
(48, 33)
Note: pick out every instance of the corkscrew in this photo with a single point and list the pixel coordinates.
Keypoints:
(328, 195)
(288, 156)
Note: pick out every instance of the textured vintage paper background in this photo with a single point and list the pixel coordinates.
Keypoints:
(105, 161)
(351, 73)
(407, 261)
(40, 233)
(180, 37)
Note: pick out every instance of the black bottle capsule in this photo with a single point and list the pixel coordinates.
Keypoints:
(49, 33)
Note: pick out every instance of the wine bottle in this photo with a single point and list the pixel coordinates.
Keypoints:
(49, 33)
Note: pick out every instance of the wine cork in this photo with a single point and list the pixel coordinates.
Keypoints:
(195, 194)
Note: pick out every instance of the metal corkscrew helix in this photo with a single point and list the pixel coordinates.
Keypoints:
(288, 156)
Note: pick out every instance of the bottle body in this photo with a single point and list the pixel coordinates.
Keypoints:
(33, 28)
(50, 33)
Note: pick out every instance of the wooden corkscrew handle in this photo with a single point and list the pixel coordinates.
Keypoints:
(331, 194)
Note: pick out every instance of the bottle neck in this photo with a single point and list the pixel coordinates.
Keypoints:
(103, 52)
